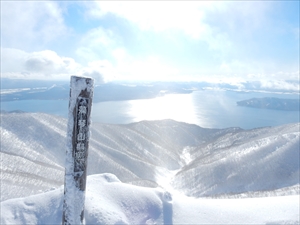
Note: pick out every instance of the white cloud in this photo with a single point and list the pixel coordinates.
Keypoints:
(101, 70)
(280, 85)
(222, 29)
(29, 24)
(202, 20)
(12, 60)
(149, 68)
(97, 44)
(159, 16)
(220, 24)
(240, 67)
(46, 64)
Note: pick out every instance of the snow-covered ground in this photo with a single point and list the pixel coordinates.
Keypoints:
(143, 173)
(109, 201)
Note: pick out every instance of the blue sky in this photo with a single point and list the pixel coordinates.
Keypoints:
(150, 40)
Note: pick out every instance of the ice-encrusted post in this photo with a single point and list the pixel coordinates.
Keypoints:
(80, 105)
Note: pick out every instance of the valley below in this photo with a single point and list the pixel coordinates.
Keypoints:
(170, 165)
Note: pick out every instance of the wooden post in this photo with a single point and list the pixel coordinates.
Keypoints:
(80, 105)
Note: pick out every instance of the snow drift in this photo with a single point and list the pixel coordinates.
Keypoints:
(109, 201)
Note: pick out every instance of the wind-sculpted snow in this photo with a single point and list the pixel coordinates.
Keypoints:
(109, 201)
(207, 162)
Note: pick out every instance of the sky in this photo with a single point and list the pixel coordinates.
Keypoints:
(150, 40)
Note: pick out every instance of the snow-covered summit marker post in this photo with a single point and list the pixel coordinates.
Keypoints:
(80, 105)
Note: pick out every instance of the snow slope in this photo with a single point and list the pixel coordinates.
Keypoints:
(109, 201)
(33, 151)
(264, 159)
(194, 160)
(168, 160)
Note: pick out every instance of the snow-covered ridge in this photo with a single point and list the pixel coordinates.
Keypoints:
(258, 169)
(195, 160)
(261, 163)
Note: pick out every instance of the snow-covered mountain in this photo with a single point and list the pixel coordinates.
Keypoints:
(199, 161)
(258, 160)
(170, 160)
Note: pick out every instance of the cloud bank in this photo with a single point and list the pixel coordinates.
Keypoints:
(150, 40)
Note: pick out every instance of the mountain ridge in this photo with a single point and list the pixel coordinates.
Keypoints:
(147, 152)
(272, 103)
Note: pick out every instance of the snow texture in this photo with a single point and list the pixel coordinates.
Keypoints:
(109, 201)
(232, 176)
(152, 153)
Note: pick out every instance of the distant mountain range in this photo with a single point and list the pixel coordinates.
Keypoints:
(194, 160)
(102, 92)
(12, 90)
(272, 103)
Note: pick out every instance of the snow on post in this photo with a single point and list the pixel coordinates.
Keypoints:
(80, 105)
